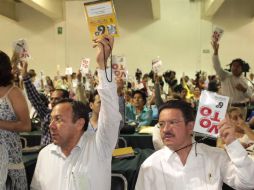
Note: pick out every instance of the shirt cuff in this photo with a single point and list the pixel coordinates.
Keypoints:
(103, 80)
(236, 152)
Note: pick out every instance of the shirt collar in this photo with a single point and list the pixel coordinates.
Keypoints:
(195, 149)
(57, 150)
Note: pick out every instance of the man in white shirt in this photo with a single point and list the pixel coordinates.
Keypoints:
(78, 160)
(233, 84)
(183, 164)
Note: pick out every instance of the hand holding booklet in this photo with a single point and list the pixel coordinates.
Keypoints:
(217, 33)
(211, 110)
(20, 48)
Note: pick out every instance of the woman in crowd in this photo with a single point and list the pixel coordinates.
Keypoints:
(14, 118)
(138, 112)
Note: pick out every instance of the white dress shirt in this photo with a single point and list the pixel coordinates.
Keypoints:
(228, 83)
(88, 167)
(206, 168)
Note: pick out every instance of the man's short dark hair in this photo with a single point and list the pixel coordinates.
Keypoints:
(6, 75)
(65, 93)
(186, 109)
(92, 96)
(79, 109)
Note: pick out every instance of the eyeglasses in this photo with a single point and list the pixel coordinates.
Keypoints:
(172, 123)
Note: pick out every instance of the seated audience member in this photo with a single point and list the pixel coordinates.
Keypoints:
(80, 92)
(41, 108)
(127, 96)
(77, 159)
(49, 86)
(138, 112)
(3, 166)
(195, 98)
(243, 132)
(120, 91)
(94, 104)
(184, 164)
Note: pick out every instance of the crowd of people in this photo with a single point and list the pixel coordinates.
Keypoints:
(81, 116)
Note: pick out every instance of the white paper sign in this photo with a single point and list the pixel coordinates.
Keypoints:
(118, 65)
(68, 71)
(156, 65)
(99, 9)
(84, 66)
(217, 33)
(211, 110)
(20, 47)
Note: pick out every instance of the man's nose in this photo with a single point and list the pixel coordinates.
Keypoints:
(52, 124)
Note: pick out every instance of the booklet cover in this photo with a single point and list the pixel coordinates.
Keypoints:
(84, 66)
(211, 110)
(20, 47)
(217, 33)
(123, 152)
(101, 18)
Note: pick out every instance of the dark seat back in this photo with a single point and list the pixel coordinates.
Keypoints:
(118, 182)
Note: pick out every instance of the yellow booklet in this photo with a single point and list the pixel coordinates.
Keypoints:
(123, 152)
(101, 18)
(146, 130)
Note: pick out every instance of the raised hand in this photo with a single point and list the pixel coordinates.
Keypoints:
(227, 131)
(215, 46)
(24, 67)
(104, 46)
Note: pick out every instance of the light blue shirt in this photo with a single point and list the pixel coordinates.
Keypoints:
(143, 119)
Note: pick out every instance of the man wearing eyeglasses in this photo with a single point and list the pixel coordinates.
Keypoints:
(185, 164)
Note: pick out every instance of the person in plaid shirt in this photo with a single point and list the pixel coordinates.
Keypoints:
(39, 105)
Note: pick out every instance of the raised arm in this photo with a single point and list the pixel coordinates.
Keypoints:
(239, 171)
(109, 116)
(216, 62)
(33, 94)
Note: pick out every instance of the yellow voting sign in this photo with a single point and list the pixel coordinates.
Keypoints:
(101, 18)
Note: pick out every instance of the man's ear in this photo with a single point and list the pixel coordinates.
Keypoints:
(190, 126)
(91, 105)
(80, 123)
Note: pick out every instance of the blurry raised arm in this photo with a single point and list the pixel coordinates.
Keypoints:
(215, 46)
(216, 62)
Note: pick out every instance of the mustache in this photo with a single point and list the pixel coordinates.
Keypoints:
(165, 134)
